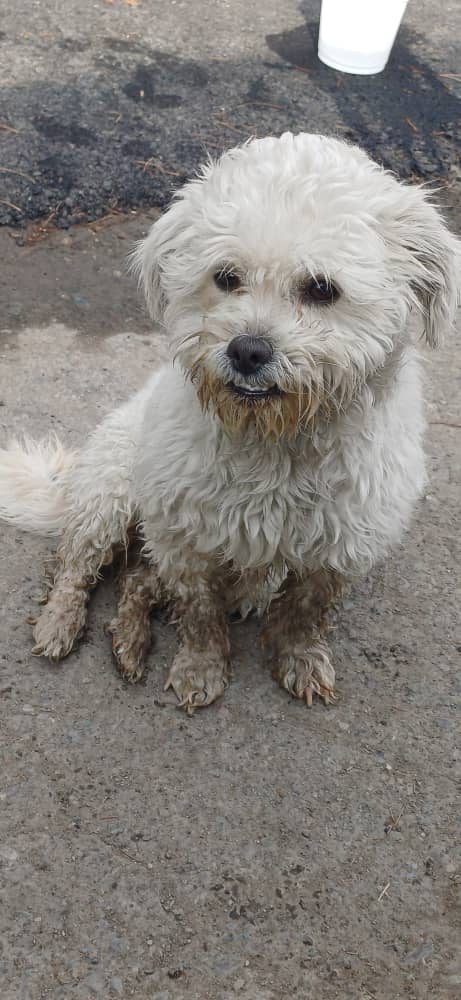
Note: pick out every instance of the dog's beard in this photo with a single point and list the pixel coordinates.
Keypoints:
(295, 405)
(271, 416)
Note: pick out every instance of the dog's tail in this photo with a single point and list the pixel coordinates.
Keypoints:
(33, 493)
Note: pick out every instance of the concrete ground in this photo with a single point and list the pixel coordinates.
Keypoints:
(258, 850)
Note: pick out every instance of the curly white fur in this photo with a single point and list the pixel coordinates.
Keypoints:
(322, 475)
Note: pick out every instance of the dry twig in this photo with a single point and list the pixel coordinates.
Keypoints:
(10, 204)
(393, 822)
(125, 854)
(40, 230)
(227, 124)
(203, 138)
(9, 170)
(152, 164)
(444, 423)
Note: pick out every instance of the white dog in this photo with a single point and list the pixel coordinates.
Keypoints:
(283, 450)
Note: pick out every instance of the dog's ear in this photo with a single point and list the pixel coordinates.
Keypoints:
(150, 256)
(429, 257)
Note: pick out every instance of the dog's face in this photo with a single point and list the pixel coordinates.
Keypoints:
(285, 274)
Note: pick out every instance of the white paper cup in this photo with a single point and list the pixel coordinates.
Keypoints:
(356, 36)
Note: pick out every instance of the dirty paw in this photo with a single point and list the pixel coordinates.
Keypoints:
(195, 680)
(129, 648)
(305, 673)
(58, 628)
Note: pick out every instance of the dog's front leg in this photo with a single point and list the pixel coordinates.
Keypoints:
(130, 628)
(294, 632)
(200, 670)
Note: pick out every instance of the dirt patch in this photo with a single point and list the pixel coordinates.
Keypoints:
(80, 278)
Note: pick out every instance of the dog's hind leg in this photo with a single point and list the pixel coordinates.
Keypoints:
(130, 629)
(100, 512)
(294, 635)
(62, 620)
(63, 617)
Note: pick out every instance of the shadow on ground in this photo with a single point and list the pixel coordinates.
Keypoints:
(406, 118)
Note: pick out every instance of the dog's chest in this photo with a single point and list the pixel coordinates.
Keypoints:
(251, 507)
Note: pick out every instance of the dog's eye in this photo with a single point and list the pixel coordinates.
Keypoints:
(319, 290)
(227, 280)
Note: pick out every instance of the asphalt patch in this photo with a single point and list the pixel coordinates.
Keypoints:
(130, 130)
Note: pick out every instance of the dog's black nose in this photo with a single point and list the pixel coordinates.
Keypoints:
(248, 354)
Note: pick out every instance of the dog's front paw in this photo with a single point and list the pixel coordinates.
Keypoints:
(305, 673)
(130, 645)
(196, 680)
(59, 626)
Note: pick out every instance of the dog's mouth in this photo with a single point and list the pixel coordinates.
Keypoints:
(254, 392)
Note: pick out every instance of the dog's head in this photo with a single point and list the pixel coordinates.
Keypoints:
(285, 274)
